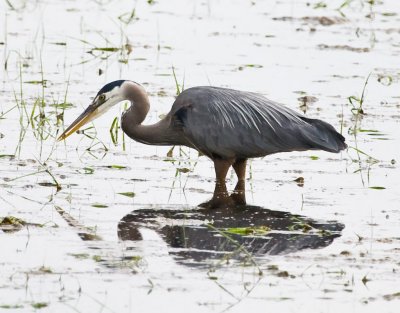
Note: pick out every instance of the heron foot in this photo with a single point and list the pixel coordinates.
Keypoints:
(222, 199)
(218, 202)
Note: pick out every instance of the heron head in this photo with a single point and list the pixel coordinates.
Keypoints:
(107, 97)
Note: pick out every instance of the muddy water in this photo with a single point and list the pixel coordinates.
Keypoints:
(116, 227)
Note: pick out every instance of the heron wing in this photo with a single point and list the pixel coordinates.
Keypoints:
(231, 123)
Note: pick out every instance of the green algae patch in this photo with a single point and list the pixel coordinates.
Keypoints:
(248, 231)
(128, 194)
(8, 306)
(39, 305)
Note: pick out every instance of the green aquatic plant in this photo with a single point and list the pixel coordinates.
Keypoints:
(11, 306)
(39, 305)
(128, 194)
(299, 224)
(40, 115)
(179, 87)
(129, 17)
(358, 112)
(248, 231)
(115, 130)
(357, 102)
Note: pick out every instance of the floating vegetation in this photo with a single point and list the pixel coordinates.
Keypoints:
(183, 170)
(86, 171)
(248, 231)
(319, 5)
(106, 49)
(365, 280)
(46, 270)
(59, 43)
(48, 184)
(374, 134)
(299, 181)
(80, 256)
(99, 205)
(11, 306)
(283, 274)
(39, 305)
(117, 167)
(315, 20)
(242, 67)
(128, 194)
(393, 296)
(344, 47)
(11, 223)
(97, 258)
(301, 225)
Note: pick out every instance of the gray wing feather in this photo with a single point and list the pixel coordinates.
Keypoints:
(231, 123)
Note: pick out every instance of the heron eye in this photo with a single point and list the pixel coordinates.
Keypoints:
(102, 97)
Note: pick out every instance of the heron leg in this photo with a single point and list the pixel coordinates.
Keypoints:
(221, 169)
(221, 196)
(239, 193)
(240, 169)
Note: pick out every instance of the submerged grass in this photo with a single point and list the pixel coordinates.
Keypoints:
(42, 117)
(43, 124)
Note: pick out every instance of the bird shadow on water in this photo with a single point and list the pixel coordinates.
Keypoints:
(227, 228)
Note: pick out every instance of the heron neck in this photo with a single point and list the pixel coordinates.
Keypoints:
(155, 134)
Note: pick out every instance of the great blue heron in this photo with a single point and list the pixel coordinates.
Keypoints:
(228, 126)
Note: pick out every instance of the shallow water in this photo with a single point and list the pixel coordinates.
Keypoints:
(85, 246)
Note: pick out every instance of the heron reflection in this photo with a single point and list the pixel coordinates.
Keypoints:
(224, 224)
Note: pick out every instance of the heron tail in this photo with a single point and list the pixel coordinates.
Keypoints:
(323, 136)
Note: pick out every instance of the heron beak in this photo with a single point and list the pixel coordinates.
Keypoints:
(88, 115)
